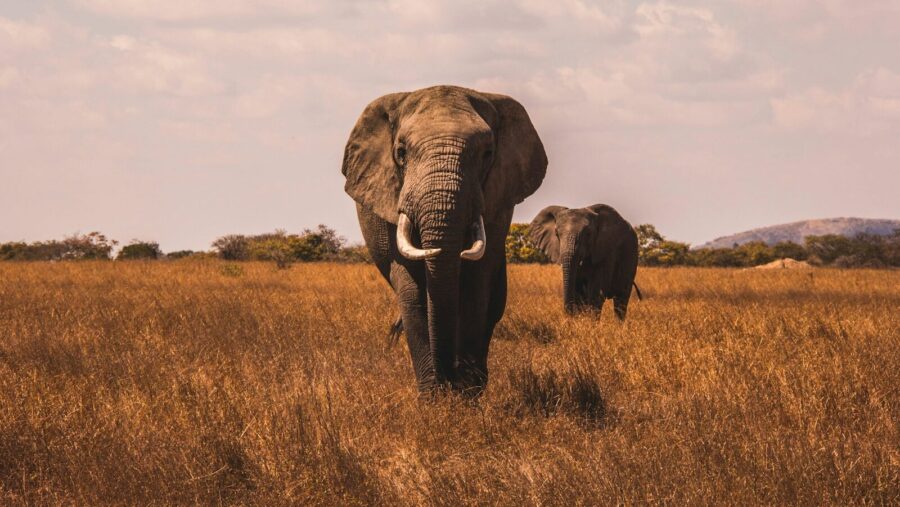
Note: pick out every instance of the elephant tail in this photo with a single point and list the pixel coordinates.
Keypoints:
(394, 333)
(638, 290)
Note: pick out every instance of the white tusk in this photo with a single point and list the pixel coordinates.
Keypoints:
(477, 250)
(404, 228)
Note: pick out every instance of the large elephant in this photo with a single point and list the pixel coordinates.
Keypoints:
(435, 174)
(598, 252)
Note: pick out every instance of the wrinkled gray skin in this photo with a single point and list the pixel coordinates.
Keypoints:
(598, 252)
(443, 156)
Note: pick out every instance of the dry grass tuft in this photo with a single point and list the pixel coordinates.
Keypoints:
(204, 382)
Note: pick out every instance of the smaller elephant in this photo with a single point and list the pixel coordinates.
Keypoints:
(598, 252)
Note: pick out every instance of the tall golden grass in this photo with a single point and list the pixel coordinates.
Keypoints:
(205, 382)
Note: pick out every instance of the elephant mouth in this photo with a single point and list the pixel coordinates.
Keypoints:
(406, 248)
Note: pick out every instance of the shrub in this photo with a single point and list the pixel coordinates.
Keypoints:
(181, 254)
(789, 250)
(13, 251)
(88, 246)
(519, 248)
(665, 253)
(323, 243)
(272, 247)
(233, 247)
(829, 247)
(140, 250)
(648, 237)
(354, 254)
(655, 250)
(715, 257)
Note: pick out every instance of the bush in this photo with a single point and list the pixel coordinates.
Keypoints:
(272, 247)
(76, 247)
(519, 248)
(320, 244)
(715, 257)
(655, 250)
(181, 254)
(665, 253)
(233, 247)
(789, 250)
(13, 251)
(648, 237)
(140, 250)
(354, 254)
(829, 247)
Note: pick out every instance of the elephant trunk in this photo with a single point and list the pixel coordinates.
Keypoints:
(444, 210)
(442, 278)
(569, 262)
(442, 228)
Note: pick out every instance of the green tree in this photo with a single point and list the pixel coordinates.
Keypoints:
(76, 247)
(754, 253)
(519, 248)
(655, 250)
(321, 244)
(354, 253)
(892, 249)
(826, 249)
(648, 237)
(789, 250)
(140, 250)
(715, 257)
(666, 253)
(14, 251)
(233, 247)
(181, 254)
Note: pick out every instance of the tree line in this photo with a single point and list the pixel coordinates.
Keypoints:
(324, 244)
(862, 250)
(281, 247)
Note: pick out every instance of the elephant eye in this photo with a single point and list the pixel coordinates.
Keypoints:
(400, 155)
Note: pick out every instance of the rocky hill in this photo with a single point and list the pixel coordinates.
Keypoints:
(796, 231)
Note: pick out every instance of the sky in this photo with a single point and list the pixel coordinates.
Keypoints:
(179, 121)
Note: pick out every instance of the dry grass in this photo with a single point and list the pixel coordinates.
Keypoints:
(193, 382)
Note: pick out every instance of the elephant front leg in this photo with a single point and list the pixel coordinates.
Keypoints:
(408, 279)
(484, 287)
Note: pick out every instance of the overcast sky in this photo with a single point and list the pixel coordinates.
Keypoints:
(183, 120)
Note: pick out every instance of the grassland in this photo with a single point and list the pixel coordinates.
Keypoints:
(183, 382)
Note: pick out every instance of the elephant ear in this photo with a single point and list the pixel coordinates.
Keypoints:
(372, 177)
(542, 231)
(609, 229)
(519, 161)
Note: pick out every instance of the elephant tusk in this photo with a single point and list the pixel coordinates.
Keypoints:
(404, 244)
(476, 251)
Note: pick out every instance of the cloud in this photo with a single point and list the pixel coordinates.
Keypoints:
(265, 44)
(186, 10)
(870, 105)
(22, 35)
(8, 76)
(685, 98)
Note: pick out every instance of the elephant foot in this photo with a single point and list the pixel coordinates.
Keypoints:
(471, 380)
(584, 310)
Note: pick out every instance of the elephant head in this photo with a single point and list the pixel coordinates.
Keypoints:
(574, 239)
(439, 163)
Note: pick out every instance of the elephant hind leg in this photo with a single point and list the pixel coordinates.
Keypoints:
(620, 305)
(622, 291)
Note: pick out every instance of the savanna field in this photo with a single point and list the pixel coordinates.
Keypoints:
(208, 382)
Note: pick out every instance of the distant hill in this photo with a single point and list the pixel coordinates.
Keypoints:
(796, 231)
